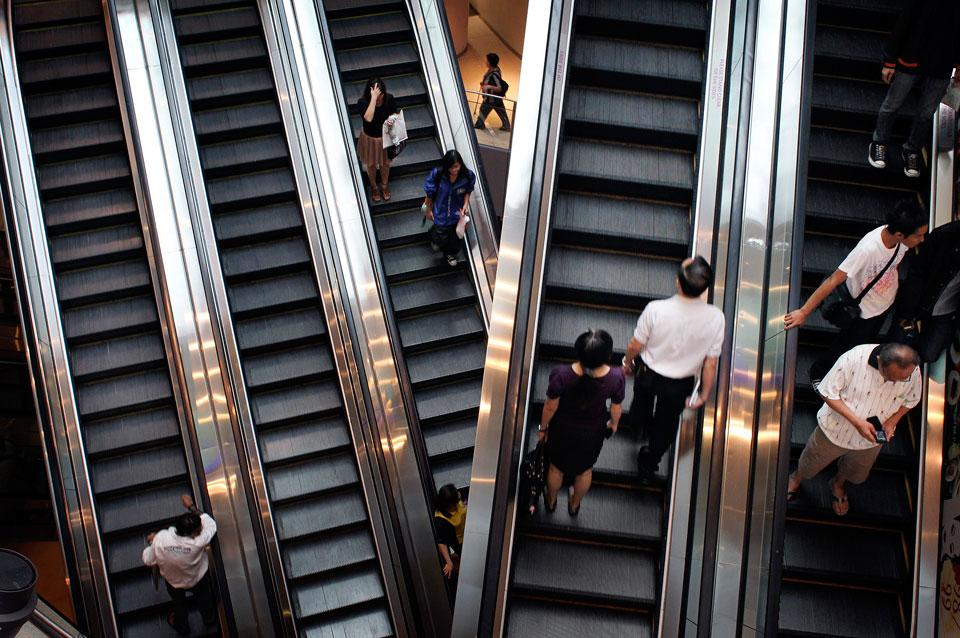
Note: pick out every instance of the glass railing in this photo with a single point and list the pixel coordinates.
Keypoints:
(495, 113)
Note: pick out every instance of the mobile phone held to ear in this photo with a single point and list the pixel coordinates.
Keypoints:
(881, 435)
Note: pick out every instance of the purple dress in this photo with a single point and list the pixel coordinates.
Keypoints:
(577, 429)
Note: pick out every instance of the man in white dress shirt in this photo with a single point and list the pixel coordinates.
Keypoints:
(180, 553)
(871, 380)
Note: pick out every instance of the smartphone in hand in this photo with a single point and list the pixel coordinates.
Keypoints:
(881, 435)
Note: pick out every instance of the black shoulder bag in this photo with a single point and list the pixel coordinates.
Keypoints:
(840, 307)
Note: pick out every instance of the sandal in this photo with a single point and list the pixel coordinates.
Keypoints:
(375, 193)
(571, 511)
(386, 192)
(840, 504)
(792, 494)
(547, 506)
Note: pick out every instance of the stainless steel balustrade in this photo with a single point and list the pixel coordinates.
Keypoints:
(148, 98)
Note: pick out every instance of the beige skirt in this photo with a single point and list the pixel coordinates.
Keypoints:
(371, 151)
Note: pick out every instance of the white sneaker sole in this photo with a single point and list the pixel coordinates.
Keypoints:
(909, 173)
(876, 164)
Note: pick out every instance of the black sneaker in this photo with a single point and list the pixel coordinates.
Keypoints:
(479, 126)
(877, 155)
(911, 163)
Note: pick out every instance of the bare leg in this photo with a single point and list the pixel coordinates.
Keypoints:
(372, 176)
(581, 485)
(384, 176)
(554, 480)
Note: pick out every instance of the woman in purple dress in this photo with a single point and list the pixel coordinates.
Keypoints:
(574, 422)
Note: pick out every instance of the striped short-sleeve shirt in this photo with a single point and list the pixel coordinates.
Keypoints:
(857, 383)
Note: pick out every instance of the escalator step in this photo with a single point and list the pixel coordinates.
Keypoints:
(561, 324)
(302, 560)
(401, 227)
(284, 329)
(856, 210)
(425, 295)
(881, 500)
(608, 278)
(93, 138)
(853, 53)
(849, 613)
(534, 617)
(290, 404)
(264, 260)
(271, 295)
(273, 220)
(453, 362)
(35, 14)
(441, 328)
(130, 430)
(247, 191)
(336, 592)
(247, 154)
(134, 511)
(454, 471)
(117, 356)
(231, 88)
(321, 514)
(822, 254)
(137, 469)
(839, 554)
(842, 156)
(111, 281)
(682, 22)
(90, 248)
(71, 70)
(286, 368)
(223, 24)
(374, 623)
(222, 57)
(254, 119)
(141, 390)
(83, 175)
(411, 262)
(135, 592)
(322, 474)
(388, 59)
(64, 106)
(75, 38)
(643, 67)
(448, 401)
(450, 437)
(621, 223)
(370, 30)
(302, 439)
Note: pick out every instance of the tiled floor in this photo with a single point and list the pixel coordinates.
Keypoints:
(473, 64)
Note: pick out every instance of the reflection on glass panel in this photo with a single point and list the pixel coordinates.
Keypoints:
(27, 523)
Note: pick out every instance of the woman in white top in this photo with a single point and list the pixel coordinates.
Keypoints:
(906, 225)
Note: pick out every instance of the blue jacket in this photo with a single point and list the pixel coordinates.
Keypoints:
(448, 198)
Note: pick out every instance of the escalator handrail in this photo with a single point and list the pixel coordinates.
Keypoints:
(455, 129)
(46, 351)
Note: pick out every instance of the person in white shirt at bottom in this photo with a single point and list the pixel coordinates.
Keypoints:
(871, 380)
(180, 553)
(674, 339)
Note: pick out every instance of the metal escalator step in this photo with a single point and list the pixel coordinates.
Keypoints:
(303, 560)
(231, 88)
(55, 73)
(609, 514)
(94, 247)
(338, 8)
(305, 401)
(388, 59)
(143, 508)
(400, 227)
(608, 278)
(425, 295)
(110, 319)
(682, 22)
(842, 156)
(184, 6)
(535, 617)
(619, 223)
(155, 624)
(247, 154)
(878, 15)
(129, 393)
(219, 57)
(124, 554)
(368, 30)
(454, 471)
(441, 328)
(319, 514)
(371, 623)
(620, 169)
(854, 209)
(247, 191)
(632, 117)
(223, 24)
(263, 260)
(281, 330)
(35, 14)
(83, 175)
(810, 610)
(407, 88)
(419, 155)
(644, 67)
(307, 477)
(130, 431)
(135, 592)
(272, 295)
(450, 437)
(337, 591)
(598, 573)
(63, 106)
(110, 281)
(822, 255)
(255, 119)
(92, 138)
(843, 555)
(287, 367)
(137, 469)
(74, 38)
(853, 104)
(117, 356)
(561, 324)
(848, 52)
(448, 401)
(882, 499)
(452, 362)
(264, 222)
(412, 261)
(301, 439)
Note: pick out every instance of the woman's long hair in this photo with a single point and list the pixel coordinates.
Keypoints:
(593, 348)
(450, 158)
(370, 83)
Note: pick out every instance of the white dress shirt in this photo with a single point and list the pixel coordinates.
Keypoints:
(678, 333)
(182, 559)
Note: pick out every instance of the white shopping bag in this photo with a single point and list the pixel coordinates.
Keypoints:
(462, 225)
(394, 130)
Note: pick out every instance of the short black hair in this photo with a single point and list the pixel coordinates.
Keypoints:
(188, 524)
(695, 277)
(493, 59)
(898, 353)
(447, 498)
(906, 217)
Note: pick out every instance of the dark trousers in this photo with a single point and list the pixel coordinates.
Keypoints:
(203, 594)
(493, 104)
(445, 239)
(933, 338)
(860, 331)
(931, 92)
(657, 404)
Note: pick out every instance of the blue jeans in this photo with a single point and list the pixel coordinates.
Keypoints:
(931, 92)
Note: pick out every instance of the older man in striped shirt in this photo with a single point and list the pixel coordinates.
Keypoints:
(881, 381)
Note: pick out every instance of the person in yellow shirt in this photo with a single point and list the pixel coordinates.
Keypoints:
(449, 521)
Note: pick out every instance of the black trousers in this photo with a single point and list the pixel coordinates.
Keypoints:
(860, 331)
(446, 240)
(493, 104)
(933, 339)
(203, 594)
(657, 404)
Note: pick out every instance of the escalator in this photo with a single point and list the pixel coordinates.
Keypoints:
(317, 501)
(129, 423)
(435, 307)
(621, 223)
(848, 576)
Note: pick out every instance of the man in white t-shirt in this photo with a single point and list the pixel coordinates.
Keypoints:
(675, 339)
(905, 228)
(881, 381)
(180, 553)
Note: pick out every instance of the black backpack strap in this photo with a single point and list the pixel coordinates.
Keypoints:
(863, 293)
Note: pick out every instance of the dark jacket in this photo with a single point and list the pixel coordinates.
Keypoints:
(925, 40)
(929, 270)
(448, 198)
(495, 79)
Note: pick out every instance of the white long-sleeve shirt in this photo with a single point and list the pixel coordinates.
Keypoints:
(182, 559)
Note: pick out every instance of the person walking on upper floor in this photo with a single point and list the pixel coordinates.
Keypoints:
(676, 339)
(881, 381)
(180, 554)
(874, 261)
(923, 51)
(494, 89)
(927, 312)
(574, 422)
(376, 106)
(448, 188)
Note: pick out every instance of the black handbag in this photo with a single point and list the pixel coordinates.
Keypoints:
(396, 149)
(532, 479)
(841, 308)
